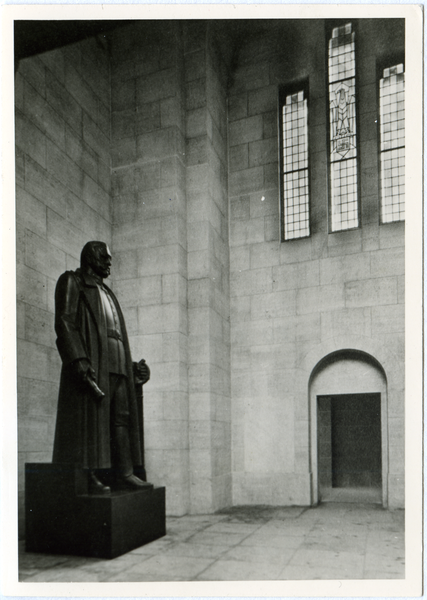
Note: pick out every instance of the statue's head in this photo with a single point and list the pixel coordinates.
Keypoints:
(96, 257)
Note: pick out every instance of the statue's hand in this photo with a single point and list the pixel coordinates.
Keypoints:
(87, 375)
(83, 369)
(141, 371)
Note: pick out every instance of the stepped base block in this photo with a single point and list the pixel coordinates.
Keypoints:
(62, 518)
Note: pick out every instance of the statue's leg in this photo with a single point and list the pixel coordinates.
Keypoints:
(121, 457)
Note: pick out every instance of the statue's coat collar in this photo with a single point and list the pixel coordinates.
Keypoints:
(90, 280)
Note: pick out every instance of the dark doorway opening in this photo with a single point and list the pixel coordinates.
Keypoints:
(349, 447)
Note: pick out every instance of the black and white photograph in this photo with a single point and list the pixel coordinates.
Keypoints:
(217, 218)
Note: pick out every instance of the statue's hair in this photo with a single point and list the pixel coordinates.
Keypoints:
(89, 251)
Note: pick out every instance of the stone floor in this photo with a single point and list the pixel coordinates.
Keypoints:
(330, 541)
(363, 495)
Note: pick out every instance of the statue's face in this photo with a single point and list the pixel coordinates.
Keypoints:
(101, 261)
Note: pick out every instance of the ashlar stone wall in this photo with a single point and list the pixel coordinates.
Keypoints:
(62, 201)
(208, 269)
(231, 320)
(147, 112)
(170, 242)
(290, 298)
(150, 236)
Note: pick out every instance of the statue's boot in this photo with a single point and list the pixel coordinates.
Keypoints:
(124, 466)
(96, 486)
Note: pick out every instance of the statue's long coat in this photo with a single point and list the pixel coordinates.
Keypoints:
(82, 433)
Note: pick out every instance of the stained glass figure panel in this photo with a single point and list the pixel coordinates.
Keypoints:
(342, 129)
(342, 119)
(295, 167)
(392, 144)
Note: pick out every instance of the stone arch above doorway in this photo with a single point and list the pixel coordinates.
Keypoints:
(344, 369)
(372, 349)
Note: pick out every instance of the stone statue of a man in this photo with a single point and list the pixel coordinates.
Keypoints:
(97, 423)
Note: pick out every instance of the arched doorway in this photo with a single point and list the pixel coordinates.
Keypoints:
(348, 406)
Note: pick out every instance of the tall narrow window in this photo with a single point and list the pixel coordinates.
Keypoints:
(392, 143)
(295, 185)
(344, 211)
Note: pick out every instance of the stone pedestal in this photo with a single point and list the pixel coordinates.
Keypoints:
(62, 518)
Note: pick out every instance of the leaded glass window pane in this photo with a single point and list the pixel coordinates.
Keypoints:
(342, 129)
(392, 143)
(295, 167)
(344, 195)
